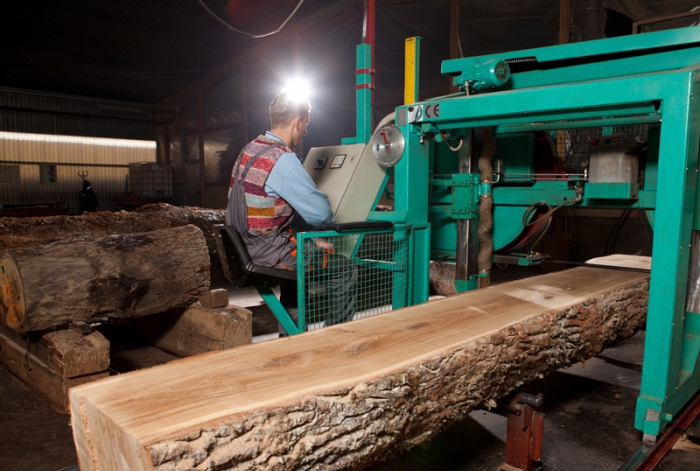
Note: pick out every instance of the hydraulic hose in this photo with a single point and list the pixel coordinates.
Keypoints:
(488, 150)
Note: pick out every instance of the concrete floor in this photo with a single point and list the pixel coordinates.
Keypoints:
(588, 426)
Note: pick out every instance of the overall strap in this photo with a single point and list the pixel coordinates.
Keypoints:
(241, 177)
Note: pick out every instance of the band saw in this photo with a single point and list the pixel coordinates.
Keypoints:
(465, 177)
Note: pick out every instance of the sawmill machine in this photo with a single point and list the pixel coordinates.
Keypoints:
(466, 182)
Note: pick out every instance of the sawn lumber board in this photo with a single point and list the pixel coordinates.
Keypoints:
(348, 395)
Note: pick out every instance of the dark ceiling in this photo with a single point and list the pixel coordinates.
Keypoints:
(130, 50)
(147, 50)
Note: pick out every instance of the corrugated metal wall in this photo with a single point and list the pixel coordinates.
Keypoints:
(48, 113)
(103, 162)
(47, 141)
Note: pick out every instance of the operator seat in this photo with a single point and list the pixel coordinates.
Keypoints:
(240, 269)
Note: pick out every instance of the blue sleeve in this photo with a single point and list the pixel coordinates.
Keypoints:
(288, 179)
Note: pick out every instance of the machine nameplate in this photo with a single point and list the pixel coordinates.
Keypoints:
(338, 160)
(432, 111)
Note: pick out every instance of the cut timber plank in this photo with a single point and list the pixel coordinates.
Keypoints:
(339, 397)
(638, 262)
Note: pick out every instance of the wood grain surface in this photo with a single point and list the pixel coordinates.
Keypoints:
(348, 395)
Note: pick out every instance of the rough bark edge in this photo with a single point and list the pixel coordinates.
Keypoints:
(354, 427)
(26, 232)
(194, 262)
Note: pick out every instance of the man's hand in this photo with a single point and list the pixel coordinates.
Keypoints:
(324, 244)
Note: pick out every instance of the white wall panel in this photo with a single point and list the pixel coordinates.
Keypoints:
(104, 160)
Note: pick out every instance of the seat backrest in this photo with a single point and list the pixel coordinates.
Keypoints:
(233, 255)
(239, 268)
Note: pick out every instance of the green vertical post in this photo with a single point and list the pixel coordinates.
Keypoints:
(411, 206)
(363, 96)
(661, 376)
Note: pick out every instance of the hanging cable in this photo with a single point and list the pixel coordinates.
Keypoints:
(250, 35)
(546, 217)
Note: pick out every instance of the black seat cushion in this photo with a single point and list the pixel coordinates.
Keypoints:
(238, 266)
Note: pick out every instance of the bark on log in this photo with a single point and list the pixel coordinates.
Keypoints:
(23, 232)
(345, 396)
(99, 279)
(442, 278)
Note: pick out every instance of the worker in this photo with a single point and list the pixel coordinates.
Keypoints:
(88, 199)
(271, 194)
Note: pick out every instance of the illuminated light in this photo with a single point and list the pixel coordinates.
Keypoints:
(297, 89)
(94, 141)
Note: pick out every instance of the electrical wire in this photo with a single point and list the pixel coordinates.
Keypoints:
(250, 35)
(645, 224)
(615, 233)
(459, 146)
(572, 232)
(548, 215)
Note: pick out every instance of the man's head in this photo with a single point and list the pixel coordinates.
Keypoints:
(288, 118)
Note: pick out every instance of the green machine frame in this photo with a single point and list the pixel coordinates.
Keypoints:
(644, 79)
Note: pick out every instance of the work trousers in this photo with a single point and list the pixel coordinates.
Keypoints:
(338, 277)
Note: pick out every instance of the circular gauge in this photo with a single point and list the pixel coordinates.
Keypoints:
(387, 145)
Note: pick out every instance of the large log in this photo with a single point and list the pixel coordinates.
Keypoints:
(345, 396)
(92, 280)
(23, 232)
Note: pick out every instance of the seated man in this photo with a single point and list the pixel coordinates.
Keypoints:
(271, 191)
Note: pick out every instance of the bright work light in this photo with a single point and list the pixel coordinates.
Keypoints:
(297, 89)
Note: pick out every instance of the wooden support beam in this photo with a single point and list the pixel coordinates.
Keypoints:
(202, 157)
(56, 361)
(344, 396)
(564, 19)
(198, 329)
(455, 42)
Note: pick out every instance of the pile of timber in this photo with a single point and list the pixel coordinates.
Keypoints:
(100, 279)
(348, 395)
(23, 232)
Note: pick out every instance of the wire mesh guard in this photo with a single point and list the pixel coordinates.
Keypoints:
(348, 276)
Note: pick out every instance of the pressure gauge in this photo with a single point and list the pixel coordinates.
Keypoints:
(387, 145)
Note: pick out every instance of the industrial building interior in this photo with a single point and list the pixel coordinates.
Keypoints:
(121, 122)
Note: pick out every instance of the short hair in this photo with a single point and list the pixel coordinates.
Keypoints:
(284, 109)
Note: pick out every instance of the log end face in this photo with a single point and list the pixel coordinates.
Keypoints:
(12, 299)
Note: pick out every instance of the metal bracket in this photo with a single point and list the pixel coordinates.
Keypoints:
(525, 431)
(465, 194)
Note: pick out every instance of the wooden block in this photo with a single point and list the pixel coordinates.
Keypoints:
(66, 352)
(40, 377)
(198, 329)
(344, 396)
(72, 354)
(214, 298)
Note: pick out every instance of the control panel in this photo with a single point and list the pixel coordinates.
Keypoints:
(349, 175)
